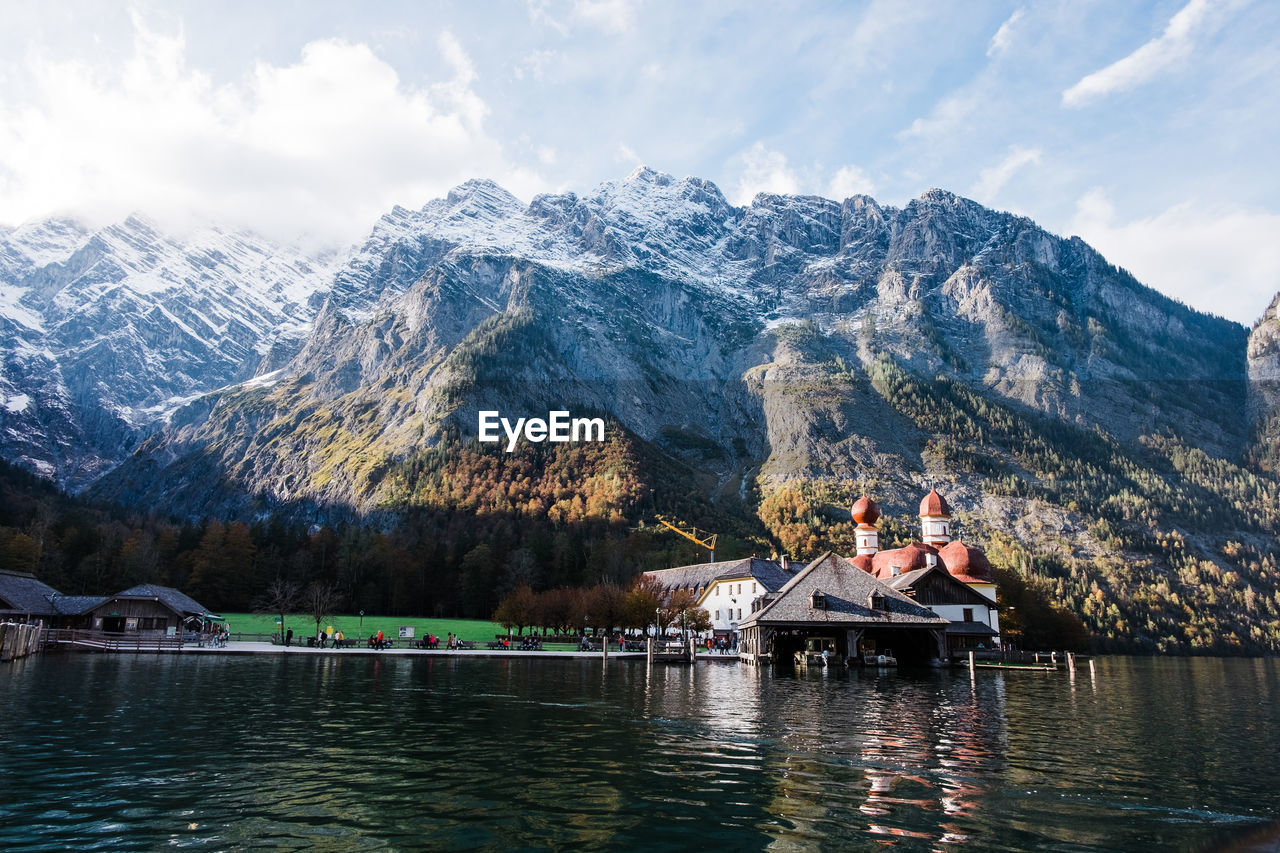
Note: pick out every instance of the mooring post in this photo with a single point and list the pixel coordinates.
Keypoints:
(1053, 659)
(604, 646)
(1037, 657)
(1071, 662)
(972, 666)
(1093, 670)
(649, 649)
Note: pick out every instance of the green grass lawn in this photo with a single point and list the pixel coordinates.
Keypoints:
(355, 627)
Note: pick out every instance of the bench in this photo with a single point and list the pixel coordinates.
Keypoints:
(496, 644)
(426, 644)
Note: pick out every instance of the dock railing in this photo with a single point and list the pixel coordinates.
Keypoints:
(132, 641)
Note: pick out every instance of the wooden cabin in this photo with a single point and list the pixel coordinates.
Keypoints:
(148, 607)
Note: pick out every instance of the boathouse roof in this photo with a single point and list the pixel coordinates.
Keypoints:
(76, 605)
(832, 590)
(178, 602)
(24, 593)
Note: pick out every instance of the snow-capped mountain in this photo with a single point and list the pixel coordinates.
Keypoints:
(754, 336)
(105, 331)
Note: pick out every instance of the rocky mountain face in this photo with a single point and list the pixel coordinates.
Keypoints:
(1096, 436)
(105, 332)
(1264, 384)
(739, 337)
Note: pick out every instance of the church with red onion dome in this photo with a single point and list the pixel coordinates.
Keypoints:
(919, 565)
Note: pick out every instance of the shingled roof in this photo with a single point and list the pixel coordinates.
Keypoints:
(23, 593)
(963, 592)
(846, 590)
(176, 601)
(77, 605)
(768, 573)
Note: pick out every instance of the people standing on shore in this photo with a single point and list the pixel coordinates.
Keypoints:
(288, 637)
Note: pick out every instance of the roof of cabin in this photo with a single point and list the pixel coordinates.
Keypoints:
(846, 589)
(768, 573)
(981, 629)
(25, 593)
(76, 605)
(963, 592)
(178, 602)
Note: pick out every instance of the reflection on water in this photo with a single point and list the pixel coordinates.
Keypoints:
(360, 752)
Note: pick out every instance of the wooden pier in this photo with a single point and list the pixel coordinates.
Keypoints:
(103, 641)
(19, 640)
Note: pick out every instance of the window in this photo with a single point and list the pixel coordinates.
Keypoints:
(894, 571)
(968, 614)
(753, 587)
(739, 613)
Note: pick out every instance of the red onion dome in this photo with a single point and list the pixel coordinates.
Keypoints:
(865, 511)
(934, 504)
(964, 563)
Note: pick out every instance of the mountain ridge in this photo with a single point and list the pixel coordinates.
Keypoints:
(1098, 437)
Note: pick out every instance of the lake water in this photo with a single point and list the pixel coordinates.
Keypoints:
(355, 752)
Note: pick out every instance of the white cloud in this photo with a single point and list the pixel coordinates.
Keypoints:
(850, 181)
(1221, 259)
(627, 154)
(948, 114)
(763, 171)
(1168, 49)
(1004, 36)
(993, 178)
(609, 16)
(538, 64)
(314, 151)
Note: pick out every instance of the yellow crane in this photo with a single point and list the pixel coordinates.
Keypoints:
(694, 535)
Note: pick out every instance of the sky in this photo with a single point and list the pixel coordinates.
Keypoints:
(1149, 129)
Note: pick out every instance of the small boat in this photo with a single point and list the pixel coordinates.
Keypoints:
(880, 658)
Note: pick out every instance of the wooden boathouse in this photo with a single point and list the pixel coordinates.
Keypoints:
(836, 604)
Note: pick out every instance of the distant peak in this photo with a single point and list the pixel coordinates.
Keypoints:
(643, 174)
(482, 188)
(939, 196)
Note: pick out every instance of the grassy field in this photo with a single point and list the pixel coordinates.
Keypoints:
(353, 626)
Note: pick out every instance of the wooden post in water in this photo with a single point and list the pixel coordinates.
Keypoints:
(1037, 657)
(972, 666)
(604, 646)
(1053, 659)
(1071, 662)
(1093, 670)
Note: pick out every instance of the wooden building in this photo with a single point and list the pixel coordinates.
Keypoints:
(148, 607)
(835, 603)
(24, 598)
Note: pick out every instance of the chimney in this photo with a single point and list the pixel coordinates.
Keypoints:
(785, 563)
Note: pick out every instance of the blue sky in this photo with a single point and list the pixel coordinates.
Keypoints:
(1147, 128)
